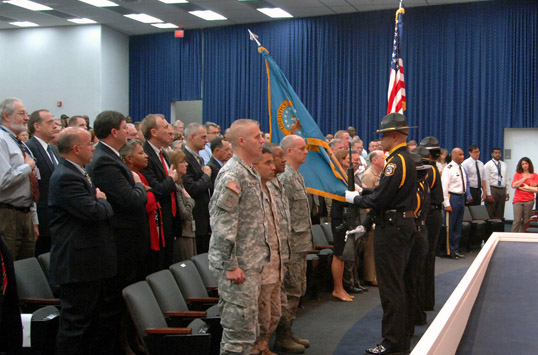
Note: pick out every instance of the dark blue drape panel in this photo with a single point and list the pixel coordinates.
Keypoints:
(163, 69)
(470, 70)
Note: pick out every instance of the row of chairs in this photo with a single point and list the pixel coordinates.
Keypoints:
(173, 312)
(531, 226)
(178, 297)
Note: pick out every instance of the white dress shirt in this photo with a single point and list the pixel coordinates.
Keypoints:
(452, 182)
(491, 174)
(470, 165)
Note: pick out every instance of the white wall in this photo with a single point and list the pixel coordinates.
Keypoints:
(82, 66)
(519, 143)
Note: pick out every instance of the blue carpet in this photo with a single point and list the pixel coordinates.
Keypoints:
(367, 331)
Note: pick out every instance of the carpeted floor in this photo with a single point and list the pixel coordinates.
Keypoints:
(350, 327)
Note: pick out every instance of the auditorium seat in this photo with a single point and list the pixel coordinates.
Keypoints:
(153, 330)
(191, 285)
(32, 286)
(480, 212)
(201, 262)
(326, 226)
(175, 309)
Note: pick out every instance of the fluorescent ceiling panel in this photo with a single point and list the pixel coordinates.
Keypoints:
(143, 18)
(208, 15)
(164, 25)
(100, 3)
(275, 12)
(24, 24)
(30, 5)
(82, 21)
(174, 1)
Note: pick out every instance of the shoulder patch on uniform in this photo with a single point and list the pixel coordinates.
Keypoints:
(390, 169)
(449, 166)
(234, 187)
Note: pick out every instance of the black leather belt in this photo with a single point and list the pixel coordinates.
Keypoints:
(498, 187)
(11, 207)
(392, 215)
(453, 193)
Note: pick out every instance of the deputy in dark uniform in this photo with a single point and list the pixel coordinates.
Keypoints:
(393, 201)
(434, 219)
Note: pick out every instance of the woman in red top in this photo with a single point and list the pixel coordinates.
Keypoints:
(523, 200)
(134, 157)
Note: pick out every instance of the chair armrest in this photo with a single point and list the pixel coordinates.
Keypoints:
(324, 246)
(49, 301)
(168, 331)
(312, 251)
(212, 288)
(193, 314)
(203, 299)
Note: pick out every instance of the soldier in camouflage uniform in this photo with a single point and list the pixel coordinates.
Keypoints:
(269, 305)
(300, 241)
(238, 249)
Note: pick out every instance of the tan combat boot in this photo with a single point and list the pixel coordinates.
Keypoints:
(303, 342)
(284, 342)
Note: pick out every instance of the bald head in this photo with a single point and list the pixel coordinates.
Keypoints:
(457, 155)
(295, 151)
(246, 139)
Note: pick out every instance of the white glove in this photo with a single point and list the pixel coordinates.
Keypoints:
(350, 195)
(358, 230)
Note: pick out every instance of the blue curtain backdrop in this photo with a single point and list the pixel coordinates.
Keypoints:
(163, 69)
(470, 70)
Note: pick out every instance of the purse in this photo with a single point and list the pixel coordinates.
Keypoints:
(349, 249)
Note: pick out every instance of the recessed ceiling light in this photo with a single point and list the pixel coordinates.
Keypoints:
(100, 3)
(164, 25)
(24, 24)
(174, 1)
(81, 21)
(275, 12)
(143, 18)
(30, 5)
(208, 15)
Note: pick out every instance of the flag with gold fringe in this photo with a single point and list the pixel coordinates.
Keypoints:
(322, 173)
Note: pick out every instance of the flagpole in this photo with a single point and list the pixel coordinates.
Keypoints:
(253, 37)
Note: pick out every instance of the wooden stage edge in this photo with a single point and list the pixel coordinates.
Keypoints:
(444, 333)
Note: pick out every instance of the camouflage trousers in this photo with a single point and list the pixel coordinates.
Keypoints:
(238, 307)
(269, 312)
(295, 287)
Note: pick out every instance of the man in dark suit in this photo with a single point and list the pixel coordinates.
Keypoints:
(161, 177)
(128, 197)
(83, 254)
(43, 130)
(198, 183)
(221, 153)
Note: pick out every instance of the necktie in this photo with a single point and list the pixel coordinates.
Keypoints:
(479, 183)
(52, 158)
(462, 180)
(173, 195)
(88, 178)
(499, 176)
(34, 184)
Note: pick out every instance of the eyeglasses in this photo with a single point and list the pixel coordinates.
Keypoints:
(22, 113)
(91, 144)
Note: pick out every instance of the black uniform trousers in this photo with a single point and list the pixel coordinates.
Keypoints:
(414, 283)
(434, 222)
(392, 246)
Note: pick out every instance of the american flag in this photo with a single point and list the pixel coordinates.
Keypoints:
(396, 93)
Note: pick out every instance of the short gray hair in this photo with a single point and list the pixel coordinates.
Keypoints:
(192, 128)
(288, 142)
(128, 148)
(7, 106)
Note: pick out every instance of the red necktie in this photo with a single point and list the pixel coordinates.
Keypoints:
(173, 195)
